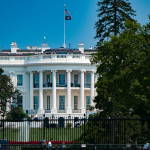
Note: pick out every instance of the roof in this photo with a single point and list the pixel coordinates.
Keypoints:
(62, 50)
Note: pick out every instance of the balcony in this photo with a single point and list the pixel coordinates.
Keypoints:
(87, 85)
(75, 85)
(47, 84)
(76, 110)
(61, 84)
(36, 85)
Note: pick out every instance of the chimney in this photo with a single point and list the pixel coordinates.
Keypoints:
(81, 47)
(14, 47)
(44, 46)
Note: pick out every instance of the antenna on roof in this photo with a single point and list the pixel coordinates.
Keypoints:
(69, 45)
(44, 40)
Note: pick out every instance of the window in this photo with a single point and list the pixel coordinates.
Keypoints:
(75, 79)
(62, 102)
(36, 80)
(20, 100)
(36, 102)
(61, 78)
(75, 102)
(19, 80)
(87, 102)
(48, 78)
(48, 102)
(3, 102)
(61, 52)
(88, 79)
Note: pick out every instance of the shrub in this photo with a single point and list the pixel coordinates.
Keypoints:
(69, 125)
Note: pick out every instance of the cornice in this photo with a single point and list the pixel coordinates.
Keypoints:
(45, 64)
(56, 64)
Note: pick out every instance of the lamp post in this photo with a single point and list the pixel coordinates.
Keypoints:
(69, 117)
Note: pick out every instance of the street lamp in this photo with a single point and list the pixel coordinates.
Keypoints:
(69, 117)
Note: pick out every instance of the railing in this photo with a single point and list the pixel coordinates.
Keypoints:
(47, 111)
(47, 57)
(4, 58)
(61, 56)
(76, 110)
(61, 84)
(87, 85)
(19, 58)
(75, 84)
(47, 84)
(75, 56)
(36, 85)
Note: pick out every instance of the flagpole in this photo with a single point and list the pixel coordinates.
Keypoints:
(64, 45)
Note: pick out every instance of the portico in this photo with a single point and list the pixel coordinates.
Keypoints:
(65, 90)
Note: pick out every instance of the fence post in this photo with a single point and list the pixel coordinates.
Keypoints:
(3, 125)
(124, 131)
(43, 126)
(84, 128)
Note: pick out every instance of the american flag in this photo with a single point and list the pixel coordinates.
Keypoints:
(66, 12)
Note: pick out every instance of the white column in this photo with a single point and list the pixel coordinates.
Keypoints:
(31, 90)
(82, 91)
(40, 110)
(54, 110)
(69, 110)
(92, 87)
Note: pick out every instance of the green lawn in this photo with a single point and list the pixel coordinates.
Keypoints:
(37, 134)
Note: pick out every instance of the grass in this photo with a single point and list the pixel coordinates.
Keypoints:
(37, 134)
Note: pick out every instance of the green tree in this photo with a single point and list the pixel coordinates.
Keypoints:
(123, 64)
(112, 14)
(16, 113)
(7, 91)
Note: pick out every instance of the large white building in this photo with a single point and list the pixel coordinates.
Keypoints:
(54, 82)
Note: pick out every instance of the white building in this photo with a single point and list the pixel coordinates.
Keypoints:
(55, 82)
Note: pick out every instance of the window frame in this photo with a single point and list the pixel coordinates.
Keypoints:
(88, 79)
(62, 106)
(63, 79)
(88, 102)
(18, 80)
(36, 81)
(48, 103)
(34, 105)
(76, 103)
(75, 80)
(18, 99)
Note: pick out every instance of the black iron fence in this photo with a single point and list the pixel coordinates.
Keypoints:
(76, 131)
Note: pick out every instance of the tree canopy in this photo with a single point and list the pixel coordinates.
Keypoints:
(123, 64)
(7, 91)
(16, 113)
(112, 15)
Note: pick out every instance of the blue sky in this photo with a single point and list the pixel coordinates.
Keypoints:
(28, 21)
